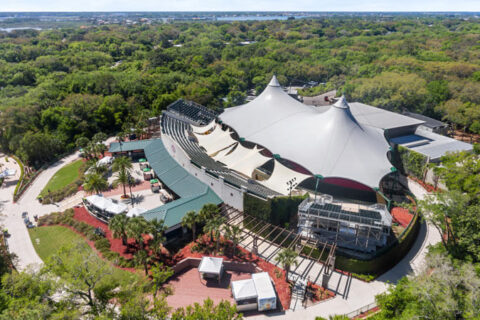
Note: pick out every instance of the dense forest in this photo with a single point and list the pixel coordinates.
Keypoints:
(60, 84)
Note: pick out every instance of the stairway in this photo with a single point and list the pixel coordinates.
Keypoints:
(298, 293)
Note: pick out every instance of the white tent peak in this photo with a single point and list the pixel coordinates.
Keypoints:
(342, 103)
(274, 82)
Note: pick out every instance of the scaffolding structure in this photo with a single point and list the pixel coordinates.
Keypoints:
(364, 228)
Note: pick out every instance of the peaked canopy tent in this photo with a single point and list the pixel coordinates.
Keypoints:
(222, 153)
(99, 202)
(211, 267)
(330, 143)
(244, 290)
(280, 178)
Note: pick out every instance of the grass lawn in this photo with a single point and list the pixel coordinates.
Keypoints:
(63, 177)
(47, 240)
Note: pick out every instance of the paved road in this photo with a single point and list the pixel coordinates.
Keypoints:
(19, 241)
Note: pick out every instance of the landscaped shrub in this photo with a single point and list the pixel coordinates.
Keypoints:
(68, 190)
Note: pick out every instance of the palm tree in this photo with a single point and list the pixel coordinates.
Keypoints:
(233, 233)
(122, 178)
(190, 221)
(157, 229)
(213, 226)
(141, 258)
(287, 258)
(208, 210)
(118, 226)
(122, 165)
(136, 228)
(95, 183)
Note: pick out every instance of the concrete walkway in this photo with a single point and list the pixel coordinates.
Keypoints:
(19, 242)
(351, 294)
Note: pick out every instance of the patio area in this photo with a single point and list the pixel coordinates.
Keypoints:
(189, 287)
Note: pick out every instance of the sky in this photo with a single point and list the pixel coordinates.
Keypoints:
(239, 5)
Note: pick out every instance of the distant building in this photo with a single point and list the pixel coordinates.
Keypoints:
(429, 124)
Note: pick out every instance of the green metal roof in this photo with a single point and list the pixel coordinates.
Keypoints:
(193, 193)
(129, 145)
(171, 173)
(173, 212)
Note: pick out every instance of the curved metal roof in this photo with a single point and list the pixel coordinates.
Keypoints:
(330, 143)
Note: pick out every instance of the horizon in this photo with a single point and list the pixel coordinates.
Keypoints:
(348, 6)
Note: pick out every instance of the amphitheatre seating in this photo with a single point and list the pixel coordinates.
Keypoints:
(180, 131)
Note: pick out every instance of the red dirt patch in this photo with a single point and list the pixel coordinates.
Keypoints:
(402, 216)
(144, 185)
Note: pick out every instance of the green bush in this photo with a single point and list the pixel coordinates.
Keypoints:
(410, 162)
(22, 172)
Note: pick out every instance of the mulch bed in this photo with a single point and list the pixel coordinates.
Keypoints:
(427, 186)
(116, 245)
(402, 216)
(320, 292)
(281, 285)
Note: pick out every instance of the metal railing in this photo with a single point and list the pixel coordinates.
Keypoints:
(361, 310)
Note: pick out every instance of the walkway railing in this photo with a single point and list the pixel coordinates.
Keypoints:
(361, 310)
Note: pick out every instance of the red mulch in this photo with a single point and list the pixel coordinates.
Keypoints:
(281, 285)
(327, 294)
(402, 216)
(367, 313)
(425, 185)
(81, 214)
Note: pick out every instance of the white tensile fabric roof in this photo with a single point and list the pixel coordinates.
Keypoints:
(242, 159)
(104, 161)
(222, 153)
(99, 202)
(136, 211)
(216, 140)
(203, 129)
(329, 143)
(116, 208)
(244, 289)
(280, 176)
(252, 160)
(210, 265)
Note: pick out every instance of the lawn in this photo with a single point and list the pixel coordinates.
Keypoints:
(47, 240)
(63, 177)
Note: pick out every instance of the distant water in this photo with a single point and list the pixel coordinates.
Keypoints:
(20, 28)
(259, 18)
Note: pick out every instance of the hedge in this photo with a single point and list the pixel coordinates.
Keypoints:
(20, 180)
(411, 163)
(278, 211)
(101, 244)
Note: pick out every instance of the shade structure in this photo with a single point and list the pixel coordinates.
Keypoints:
(203, 129)
(216, 140)
(211, 265)
(266, 299)
(99, 202)
(116, 208)
(105, 161)
(153, 181)
(283, 179)
(244, 160)
(331, 143)
(222, 153)
(244, 289)
(135, 212)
